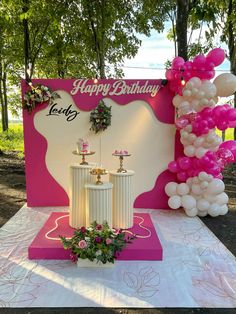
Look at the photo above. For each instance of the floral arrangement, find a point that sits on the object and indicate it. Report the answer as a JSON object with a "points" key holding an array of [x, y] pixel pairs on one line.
{"points": [[100, 117], [38, 94], [97, 243]]}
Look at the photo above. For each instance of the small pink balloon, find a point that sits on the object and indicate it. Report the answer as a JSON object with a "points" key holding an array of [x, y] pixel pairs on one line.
{"points": [[222, 125], [206, 112], [182, 176], [216, 56], [225, 154], [184, 163], [177, 63], [169, 74], [232, 114], [173, 166], [231, 145]]}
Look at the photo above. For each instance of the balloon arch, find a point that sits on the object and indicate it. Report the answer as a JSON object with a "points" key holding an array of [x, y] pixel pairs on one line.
{"points": [[199, 188]]}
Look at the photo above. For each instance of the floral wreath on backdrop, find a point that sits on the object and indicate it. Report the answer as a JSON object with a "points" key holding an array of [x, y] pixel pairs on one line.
{"points": [[100, 117], [97, 243], [38, 94]]}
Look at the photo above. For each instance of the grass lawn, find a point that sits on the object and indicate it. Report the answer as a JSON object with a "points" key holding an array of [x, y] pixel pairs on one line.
{"points": [[12, 140]]}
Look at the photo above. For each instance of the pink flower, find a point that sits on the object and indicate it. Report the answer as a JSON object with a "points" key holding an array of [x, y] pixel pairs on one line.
{"points": [[98, 227], [83, 229], [108, 241], [73, 257], [82, 244]]}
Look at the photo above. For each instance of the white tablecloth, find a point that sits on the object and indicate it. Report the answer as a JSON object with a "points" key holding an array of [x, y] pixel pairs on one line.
{"points": [[197, 270]]}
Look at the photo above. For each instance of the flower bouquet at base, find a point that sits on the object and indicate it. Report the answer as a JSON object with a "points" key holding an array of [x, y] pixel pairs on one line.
{"points": [[97, 243]]}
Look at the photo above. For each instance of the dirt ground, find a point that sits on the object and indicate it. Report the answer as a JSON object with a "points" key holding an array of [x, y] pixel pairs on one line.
{"points": [[13, 197]]}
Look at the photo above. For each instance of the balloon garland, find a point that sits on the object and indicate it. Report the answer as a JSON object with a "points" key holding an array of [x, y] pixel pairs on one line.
{"points": [[200, 190]]}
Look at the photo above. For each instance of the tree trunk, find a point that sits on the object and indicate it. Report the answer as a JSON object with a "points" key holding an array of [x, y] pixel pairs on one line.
{"points": [[5, 107], [26, 41], [232, 44], [182, 28], [2, 100]]}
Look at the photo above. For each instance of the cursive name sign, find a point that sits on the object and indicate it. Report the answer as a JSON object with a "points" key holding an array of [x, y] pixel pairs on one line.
{"points": [[69, 113], [119, 87]]}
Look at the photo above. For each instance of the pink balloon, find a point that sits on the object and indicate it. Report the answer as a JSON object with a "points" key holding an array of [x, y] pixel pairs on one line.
{"points": [[230, 145], [177, 63], [173, 166], [169, 74], [232, 114], [182, 176], [184, 163], [216, 56], [225, 154], [222, 125]]}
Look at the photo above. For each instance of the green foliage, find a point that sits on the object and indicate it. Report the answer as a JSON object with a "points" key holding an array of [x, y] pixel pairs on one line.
{"points": [[98, 242], [12, 140]]}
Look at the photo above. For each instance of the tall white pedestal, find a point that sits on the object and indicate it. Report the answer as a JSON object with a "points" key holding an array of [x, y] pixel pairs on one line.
{"points": [[99, 203], [79, 176], [122, 199]]}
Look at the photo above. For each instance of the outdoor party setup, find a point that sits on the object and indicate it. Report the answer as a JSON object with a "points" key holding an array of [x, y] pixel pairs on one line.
{"points": [[117, 172]]}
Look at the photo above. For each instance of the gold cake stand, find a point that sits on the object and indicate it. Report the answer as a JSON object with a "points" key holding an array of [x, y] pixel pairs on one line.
{"points": [[121, 158], [84, 162], [98, 172]]}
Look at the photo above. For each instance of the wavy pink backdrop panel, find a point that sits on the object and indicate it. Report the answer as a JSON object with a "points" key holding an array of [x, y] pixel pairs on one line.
{"points": [[42, 189]]}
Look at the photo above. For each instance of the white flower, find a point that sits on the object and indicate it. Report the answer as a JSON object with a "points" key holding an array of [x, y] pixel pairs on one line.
{"points": [[99, 252], [87, 239]]}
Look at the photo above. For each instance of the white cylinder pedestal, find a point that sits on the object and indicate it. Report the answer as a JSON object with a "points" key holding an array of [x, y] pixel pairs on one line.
{"points": [[122, 199], [99, 203], [79, 176]]}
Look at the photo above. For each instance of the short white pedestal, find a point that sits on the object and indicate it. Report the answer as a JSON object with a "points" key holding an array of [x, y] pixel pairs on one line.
{"points": [[79, 175], [99, 203], [122, 199]]}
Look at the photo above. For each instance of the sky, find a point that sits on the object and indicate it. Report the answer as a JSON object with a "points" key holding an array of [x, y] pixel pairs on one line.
{"points": [[149, 63]]}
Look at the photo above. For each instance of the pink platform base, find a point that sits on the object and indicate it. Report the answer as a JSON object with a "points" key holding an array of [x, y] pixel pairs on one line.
{"points": [[147, 248]]}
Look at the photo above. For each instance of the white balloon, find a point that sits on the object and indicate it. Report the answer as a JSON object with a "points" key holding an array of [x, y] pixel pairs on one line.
{"points": [[196, 81], [222, 198], [195, 180], [170, 188], [174, 202], [204, 185], [203, 205], [192, 137], [184, 134], [224, 210], [196, 189], [189, 150], [198, 142], [214, 210], [187, 93], [182, 189], [202, 213], [209, 197], [225, 84], [189, 181], [216, 186], [191, 212], [188, 202], [177, 100], [200, 152], [202, 176], [189, 128]]}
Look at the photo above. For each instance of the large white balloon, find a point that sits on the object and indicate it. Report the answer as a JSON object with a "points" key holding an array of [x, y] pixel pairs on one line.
{"points": [[188, 201], [224, 210], [203, 205], [191, 212], [182, 189], [225, 84], [170, 188], [214, 210], [174, 202], [222, 198], [216, 186]]}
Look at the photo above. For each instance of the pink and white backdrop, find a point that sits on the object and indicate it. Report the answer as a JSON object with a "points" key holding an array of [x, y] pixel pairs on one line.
{"points": [[142, 122]]}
